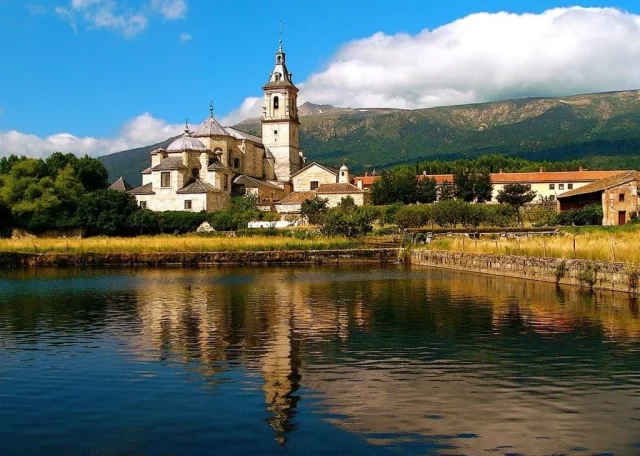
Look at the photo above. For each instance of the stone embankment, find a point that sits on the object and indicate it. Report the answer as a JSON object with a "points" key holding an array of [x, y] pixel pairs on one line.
{"points": [[601, 275], [12, 260]]}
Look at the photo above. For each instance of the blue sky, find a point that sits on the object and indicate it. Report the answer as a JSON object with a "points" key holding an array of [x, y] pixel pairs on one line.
{"points": [[68, 68]]}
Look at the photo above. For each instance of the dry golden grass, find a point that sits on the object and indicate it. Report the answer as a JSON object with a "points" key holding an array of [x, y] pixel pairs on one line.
{"points": [[590, 244], [156, 244]]}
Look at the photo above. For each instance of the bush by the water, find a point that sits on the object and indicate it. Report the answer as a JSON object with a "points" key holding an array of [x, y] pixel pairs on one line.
{"points": [[451, 213], [347, 220], [590, 215]]}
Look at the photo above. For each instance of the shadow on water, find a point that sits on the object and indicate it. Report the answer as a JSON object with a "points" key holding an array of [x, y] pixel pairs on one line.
{"points": [[360, 358]]}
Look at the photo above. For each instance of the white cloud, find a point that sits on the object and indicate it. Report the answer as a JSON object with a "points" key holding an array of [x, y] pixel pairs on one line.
{"points": [[251, 107], [141, 131], [118, 15], [482, 57], [170, 9], [184, 37]]}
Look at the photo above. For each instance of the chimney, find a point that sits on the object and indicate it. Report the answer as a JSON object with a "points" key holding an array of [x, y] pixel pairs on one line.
{"points": [[366, 174], [501, 171], [541, 169], [424, 173], [580, 169]]}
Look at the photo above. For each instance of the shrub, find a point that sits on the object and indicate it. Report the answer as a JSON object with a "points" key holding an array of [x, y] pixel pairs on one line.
{"points": [[354, 224], [414, 216], [590, 215], [176, 222], [390, 212], [107, 212], [499, 215], [314, 210]]}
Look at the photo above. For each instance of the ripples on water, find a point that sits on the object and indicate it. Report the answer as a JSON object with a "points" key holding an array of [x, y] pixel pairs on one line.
{"points": [[313, 360]]}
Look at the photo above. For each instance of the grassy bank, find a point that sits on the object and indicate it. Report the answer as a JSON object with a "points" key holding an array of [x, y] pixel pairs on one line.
{"points": [[587, 243], [173, 244]]}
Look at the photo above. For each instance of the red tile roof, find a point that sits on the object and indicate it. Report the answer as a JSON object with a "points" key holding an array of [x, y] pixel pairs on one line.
{"points": [[603, 184], [339, 188], [297, 197], [525, 178]]}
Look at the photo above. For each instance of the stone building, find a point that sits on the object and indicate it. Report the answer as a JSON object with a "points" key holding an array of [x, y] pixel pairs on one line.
{"points": [[330, 184], [617, 194], [201, 170]]}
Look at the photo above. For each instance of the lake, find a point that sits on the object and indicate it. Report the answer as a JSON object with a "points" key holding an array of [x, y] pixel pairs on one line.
{"points": [[313, 360]]}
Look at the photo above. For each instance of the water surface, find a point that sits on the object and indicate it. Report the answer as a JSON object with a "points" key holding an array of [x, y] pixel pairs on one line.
{"points": [[313, 360]]}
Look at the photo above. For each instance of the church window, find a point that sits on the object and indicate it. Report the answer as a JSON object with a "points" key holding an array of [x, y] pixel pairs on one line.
{"points": [[236, 163], [275, 132], [187, 205], [143, 205], [276, 102], [165, 180], [226, 182], [195, 173], [314, 185], [279, 59], [278, 76]]}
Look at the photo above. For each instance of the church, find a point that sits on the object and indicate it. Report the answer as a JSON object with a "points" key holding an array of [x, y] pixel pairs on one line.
{"points": [[204, 168]]}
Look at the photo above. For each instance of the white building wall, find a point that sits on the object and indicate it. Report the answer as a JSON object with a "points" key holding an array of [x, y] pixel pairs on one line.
{"points": [[302, 181]]}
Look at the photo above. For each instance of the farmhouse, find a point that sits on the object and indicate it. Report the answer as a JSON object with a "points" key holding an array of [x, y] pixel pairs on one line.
{"points": [[617, 194]]}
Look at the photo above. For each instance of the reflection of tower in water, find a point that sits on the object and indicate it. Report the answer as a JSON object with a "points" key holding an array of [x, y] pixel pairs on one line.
{"points": [[281, 368]]}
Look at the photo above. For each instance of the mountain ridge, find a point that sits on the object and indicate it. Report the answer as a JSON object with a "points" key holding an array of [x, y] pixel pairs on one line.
{"points": [[602, 128]]}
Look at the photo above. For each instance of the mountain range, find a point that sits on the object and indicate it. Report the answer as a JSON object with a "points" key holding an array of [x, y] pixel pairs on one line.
{"points": [[601, 129]]}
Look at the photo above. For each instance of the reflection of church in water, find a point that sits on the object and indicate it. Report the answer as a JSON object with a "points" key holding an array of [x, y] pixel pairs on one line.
{"points": [[206, 325]]}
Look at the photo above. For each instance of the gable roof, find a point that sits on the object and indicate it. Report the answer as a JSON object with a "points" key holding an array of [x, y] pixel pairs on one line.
{"points": [[297, 197], [603, 184], [326, 168], [339, 188], [249, 181], [239, 134], [146, 189], [169, 164], [198, 186], [121, 185], [210, 127]]}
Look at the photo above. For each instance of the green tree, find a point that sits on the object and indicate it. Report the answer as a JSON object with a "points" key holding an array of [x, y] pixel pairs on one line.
{"points": [[516, 196], [446, 191], [6, 220], [426, 190], [314, 210], [482, 186], [338, 222], [463, 183], [107, 212], [92, 173]]}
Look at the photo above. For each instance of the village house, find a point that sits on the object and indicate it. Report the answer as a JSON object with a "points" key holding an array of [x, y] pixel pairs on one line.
{"points": [[618, 196], [324, 182]]}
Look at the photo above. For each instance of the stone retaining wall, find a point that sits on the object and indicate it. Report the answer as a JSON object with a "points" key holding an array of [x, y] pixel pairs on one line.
{"points": [[10, 260], [600, 275]]}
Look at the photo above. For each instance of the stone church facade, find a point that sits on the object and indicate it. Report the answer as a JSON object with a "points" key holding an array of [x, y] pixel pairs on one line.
{"points": [[200, 170]]}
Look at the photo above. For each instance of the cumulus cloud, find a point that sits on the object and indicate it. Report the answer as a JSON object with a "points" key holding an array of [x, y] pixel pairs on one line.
{"points": [[170, 9], [184, 37], [140, 131], [481, 57], [118, 15]]}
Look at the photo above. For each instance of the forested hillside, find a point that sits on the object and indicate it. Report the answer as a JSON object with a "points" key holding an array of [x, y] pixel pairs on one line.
{"points": [[603, 130]]}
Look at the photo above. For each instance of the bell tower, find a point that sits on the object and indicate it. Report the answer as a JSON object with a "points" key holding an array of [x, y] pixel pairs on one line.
{"points": [[280, 124]]}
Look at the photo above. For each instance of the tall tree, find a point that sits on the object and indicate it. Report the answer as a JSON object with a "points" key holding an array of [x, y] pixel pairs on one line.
{"points": [[426, 190], [446, 191], [482, 186], [463, 182], [516, 196]]}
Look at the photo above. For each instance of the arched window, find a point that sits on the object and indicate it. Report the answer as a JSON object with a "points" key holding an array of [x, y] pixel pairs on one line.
{"points": [[276, 102], [279, 59], [278, 76]]}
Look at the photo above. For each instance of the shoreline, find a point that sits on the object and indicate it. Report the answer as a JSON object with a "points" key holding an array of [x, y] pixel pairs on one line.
{"points": [[590, 274], [17, 260]]}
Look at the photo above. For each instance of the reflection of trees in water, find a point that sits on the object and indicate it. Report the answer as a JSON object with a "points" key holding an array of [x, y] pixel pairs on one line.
{"points": [[280, 322]]}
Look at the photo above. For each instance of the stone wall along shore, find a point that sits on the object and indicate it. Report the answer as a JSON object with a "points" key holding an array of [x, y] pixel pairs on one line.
{"points": [[601, 275], [12, 260]]}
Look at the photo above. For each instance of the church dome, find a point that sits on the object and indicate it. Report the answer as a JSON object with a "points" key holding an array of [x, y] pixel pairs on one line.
{"points": [[186, 142], [344, 168]]}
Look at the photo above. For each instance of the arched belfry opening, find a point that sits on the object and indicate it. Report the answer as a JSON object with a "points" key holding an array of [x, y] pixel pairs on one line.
{"points": [[276, 102]]}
